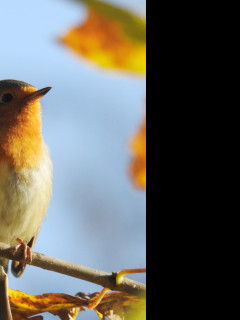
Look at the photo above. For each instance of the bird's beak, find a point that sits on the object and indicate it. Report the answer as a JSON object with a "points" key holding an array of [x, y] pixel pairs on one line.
{"points": [[37, 94]]}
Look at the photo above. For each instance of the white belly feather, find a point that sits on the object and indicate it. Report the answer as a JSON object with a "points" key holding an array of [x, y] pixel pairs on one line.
{"points": [[24, 200]]}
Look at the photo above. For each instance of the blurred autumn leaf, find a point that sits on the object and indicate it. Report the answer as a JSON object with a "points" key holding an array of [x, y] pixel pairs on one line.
{"points": [[138, 164], [114, 305], [111, 37], [121, 306]]}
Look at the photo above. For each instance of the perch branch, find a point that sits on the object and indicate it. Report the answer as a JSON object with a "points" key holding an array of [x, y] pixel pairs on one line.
{"points": [[99, 277]]}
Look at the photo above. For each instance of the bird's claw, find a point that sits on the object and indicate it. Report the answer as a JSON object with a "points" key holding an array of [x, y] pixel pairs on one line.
{"points": [[26, 254]]}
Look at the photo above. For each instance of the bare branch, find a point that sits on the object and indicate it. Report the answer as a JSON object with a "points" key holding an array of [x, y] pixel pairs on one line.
{"points": [[99, 277]]}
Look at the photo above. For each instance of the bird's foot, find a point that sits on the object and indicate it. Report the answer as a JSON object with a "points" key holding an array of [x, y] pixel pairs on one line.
{"points": [[26, 252]]}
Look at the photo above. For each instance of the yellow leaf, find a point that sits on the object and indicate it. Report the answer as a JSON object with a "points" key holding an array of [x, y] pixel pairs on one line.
{"points": [[24, 305], [137, 311], [138, 164], [119, 305], [110, 37]]}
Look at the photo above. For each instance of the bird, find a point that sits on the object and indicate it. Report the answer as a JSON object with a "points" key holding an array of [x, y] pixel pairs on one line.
{"points": [[25, 176]]}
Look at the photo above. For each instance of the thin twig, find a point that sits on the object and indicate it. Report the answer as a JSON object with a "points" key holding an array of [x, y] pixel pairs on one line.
{"points": [[99, 277]]}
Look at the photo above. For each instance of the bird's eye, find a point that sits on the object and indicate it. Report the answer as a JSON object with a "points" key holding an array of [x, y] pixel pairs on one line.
{"points": [[7, 97]]}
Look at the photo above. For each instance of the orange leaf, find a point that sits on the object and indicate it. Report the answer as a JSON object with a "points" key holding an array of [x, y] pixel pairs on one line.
{"points": [[107, 39], [138, 165]]}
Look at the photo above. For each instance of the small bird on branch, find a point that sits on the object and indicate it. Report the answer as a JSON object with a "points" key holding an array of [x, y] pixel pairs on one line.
{"points": [[25, 176]]}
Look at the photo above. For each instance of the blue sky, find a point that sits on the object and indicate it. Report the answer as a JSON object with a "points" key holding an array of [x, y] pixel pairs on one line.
{"points": [[96, 217]]}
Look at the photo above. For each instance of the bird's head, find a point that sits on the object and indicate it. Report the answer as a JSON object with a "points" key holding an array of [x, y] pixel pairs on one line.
{"points": [[17, 95], [20, 122]]}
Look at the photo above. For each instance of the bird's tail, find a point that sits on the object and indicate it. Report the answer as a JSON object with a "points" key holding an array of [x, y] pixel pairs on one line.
{"points": [[5, 310]]}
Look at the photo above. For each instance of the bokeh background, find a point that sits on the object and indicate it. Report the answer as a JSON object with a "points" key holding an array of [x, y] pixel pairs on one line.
{"points": [[96, 216]]}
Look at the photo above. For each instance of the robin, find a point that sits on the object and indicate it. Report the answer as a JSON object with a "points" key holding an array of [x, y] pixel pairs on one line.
{"points": [[25, 175]]}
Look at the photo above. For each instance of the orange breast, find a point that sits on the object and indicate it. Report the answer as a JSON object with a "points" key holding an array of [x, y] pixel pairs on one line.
{"points": [[21, 143]]}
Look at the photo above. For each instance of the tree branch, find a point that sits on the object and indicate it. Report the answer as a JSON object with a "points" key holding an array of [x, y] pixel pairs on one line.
{"points": [[99, 277]]}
